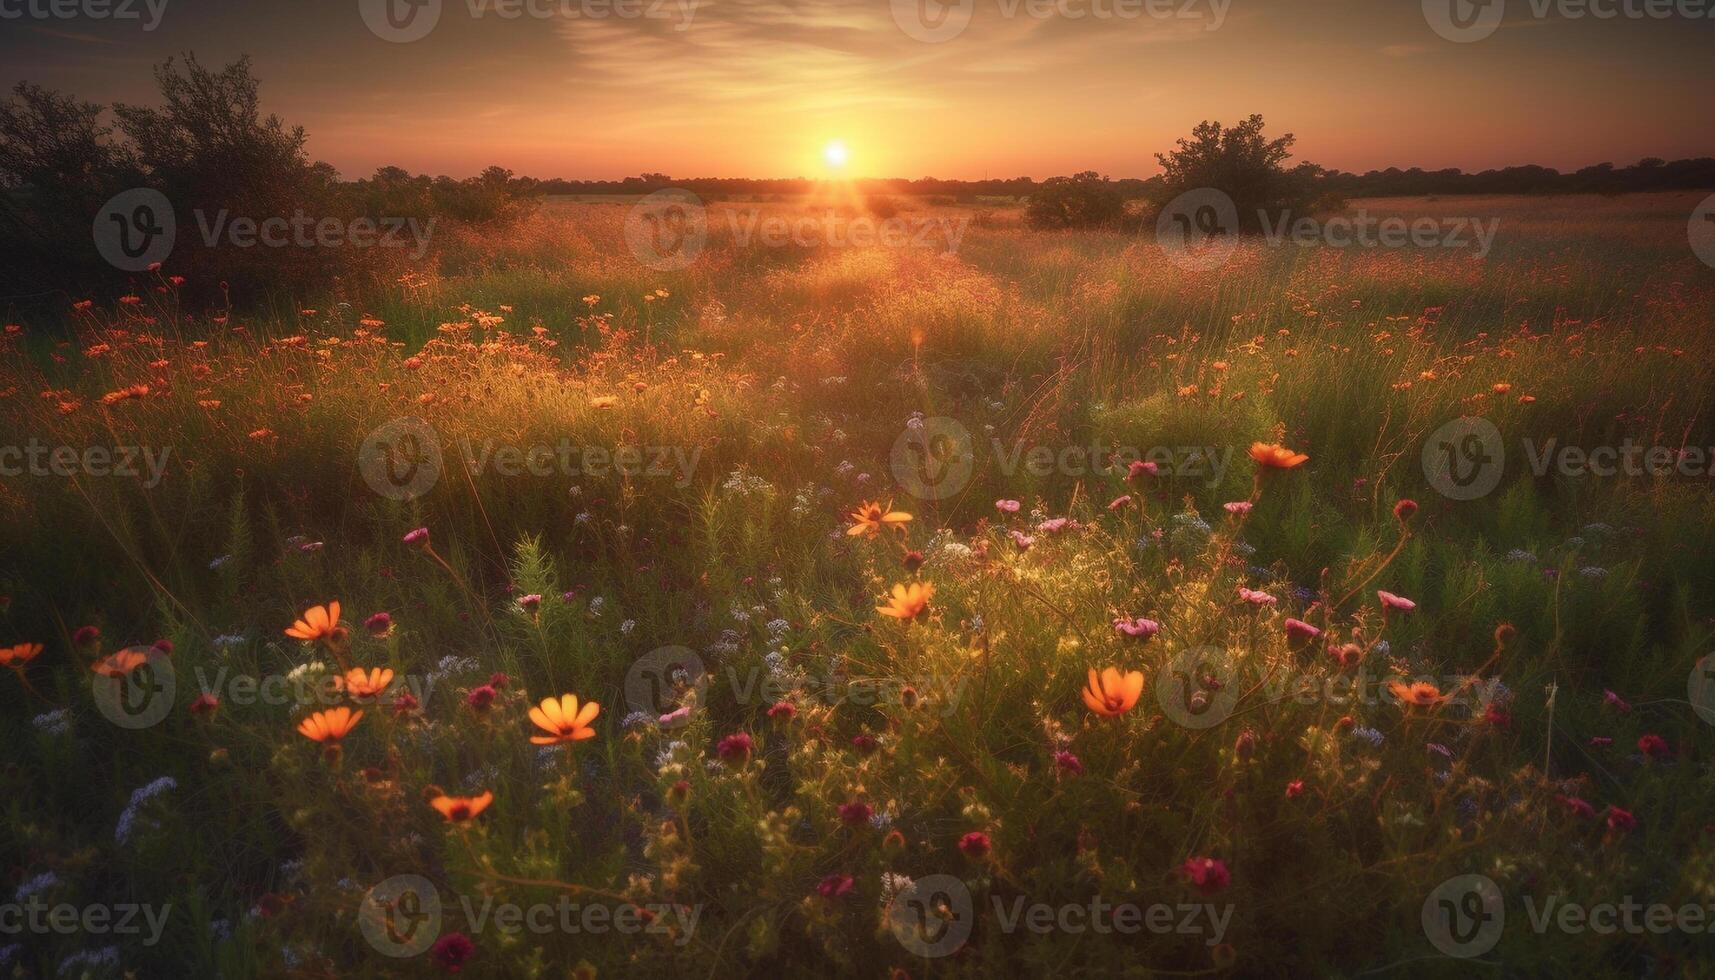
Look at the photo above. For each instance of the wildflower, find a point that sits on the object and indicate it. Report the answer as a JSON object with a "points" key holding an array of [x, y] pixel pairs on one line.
{"points": [[913, 560], [563, 719], [405, 703], [735, 748], [907, 602], [120, 664], [319, 623], [975, 844], [856, 813], [359, 684], [1600, 741], [1007, 506], [460, 809], [1576, 806], [1237, 508], [1416, 693], [379, 625], [531, 604], [783, 711], [1139, 468], [1655, 747], [1403, 510], [1346, 654], [1391, 601], [870, 518], [1612, 700], [1273, 456], [1021, 540], [1066, 762], [1256, 597], [1111, 694], [1295, 789], [205, 705], [86, 636], [1120, 502], [498, 680], [1207, 875], [1497, 716], [834, 886], [1620, 821], [329, 726], [1244, 746], [418, 538], [133, 807], [17, 655], [451, 951], [1138, 628], [480, 697], [1298, 630]]}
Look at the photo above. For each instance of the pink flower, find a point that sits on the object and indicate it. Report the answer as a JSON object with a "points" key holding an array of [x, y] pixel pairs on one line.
{"points": [[783, 711], [1576, 806], [85, 636], [451, 951], [1612, 700], [865, 743], [1140, 468], [204, 705], [481, 697], [1056, 524], [1207, 875], [498, 680], [735, 748], [834, 886], [1256, 597], [1298, 629], [1123, 500], [379, 624], [1655, 747], [1295, 789], [975, 844], [1600, 741], [418, 538], [1237, 508], [856, 813], [1068, 763], [1391, 601], [1621, 820], [1022, 540], [1138, 628], [675, 716], [1006, 506]]}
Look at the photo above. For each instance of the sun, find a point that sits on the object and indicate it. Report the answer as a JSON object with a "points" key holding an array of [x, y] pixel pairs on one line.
{"points": [[835, 154]]}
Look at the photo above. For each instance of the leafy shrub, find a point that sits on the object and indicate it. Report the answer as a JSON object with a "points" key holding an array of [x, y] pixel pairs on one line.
{"points": [[1244, 164], [1083, 200]]}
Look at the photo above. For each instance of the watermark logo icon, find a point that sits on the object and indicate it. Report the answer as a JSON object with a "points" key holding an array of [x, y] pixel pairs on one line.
{"points": [[668, 229], [933, 458], [1701, 231], [400, 21], [1198, 229], [401, 459], [932, 916], [135, 229], [665, 680], [401, 916], [1700, 688], [1195, 689], [932, 21], [1464, 916], [136, 688], [1464, 459], [1464, 21]]}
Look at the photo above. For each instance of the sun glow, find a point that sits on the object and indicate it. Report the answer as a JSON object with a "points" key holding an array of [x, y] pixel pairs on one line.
{"points": [[835, 155]]}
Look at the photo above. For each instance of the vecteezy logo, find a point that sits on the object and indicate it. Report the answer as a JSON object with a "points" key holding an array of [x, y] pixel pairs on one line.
{"points": [[135, 229], [400, 21], [663, 681], [1195, 689], [1700, 688], [1464, 916], [667, 229], [1464, 459], [136, 687], [401, 460], [1701, 230], [932, 21], [1197, 229], [932, 916], [401, 916], [1464, 21], [932, 459]]}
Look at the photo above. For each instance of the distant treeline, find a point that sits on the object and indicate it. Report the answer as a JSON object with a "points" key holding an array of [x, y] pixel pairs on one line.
{"points": [[1652, 174]]}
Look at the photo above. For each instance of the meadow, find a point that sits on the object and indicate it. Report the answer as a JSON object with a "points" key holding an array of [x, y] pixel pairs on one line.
{"points": [[1036, 607]]}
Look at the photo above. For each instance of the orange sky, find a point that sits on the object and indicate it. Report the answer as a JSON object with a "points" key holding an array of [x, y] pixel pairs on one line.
{"points": [[754, 88]]}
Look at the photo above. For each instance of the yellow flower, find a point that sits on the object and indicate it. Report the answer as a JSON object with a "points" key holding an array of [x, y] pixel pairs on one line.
{"points": [[871, 517], [458, 809], [1111, 693], [563, 720], [907, 602]]}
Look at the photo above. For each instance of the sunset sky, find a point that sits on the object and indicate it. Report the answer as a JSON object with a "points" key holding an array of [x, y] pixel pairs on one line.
{"points": [[757, 88]]}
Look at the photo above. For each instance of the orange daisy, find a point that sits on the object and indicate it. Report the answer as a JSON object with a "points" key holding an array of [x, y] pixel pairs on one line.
{"points": [[1111, 693], [17, 655], [907, 602], [563, 720], [871, 518], [120, 664], [331, 725], [361, 684], [1418, 694], [1273, 456], [458, 809], [318, 623]]}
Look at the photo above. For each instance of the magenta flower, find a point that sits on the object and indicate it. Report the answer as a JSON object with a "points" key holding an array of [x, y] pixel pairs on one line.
{"points": [[1621, 820], [1299, 630], [1237, 508], [1612, 700], [1655, 747], [379, 624], [1007, 506], [418, 538], [1022, 540], [1391, 601], [1256, 597], [1140, 468], [834, 885], [975, 844], [856, 813], [1207, 875], [1068, 763], [1123, 500], [735, 748], [1138, 628]]}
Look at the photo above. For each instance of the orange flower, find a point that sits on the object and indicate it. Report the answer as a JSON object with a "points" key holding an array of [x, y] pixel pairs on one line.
{"points": [[330, 725], [366, 685], [1272, 456], [1416, 694], [1111, 693], [319, 623], [120, 664], [458, 809], [907, 601], [563, 720], [18, 655], [604, 401], [871, 517]]}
